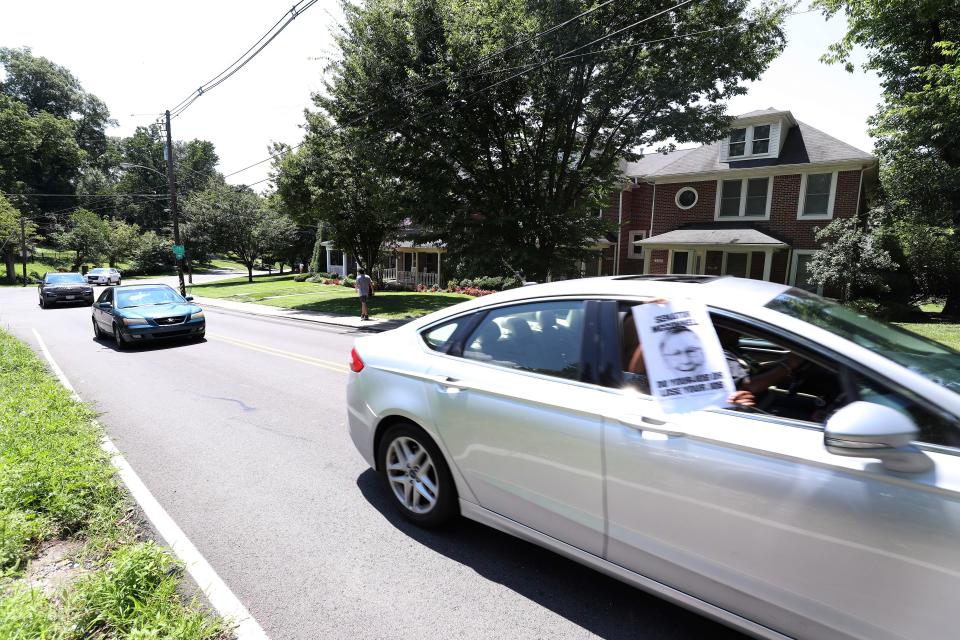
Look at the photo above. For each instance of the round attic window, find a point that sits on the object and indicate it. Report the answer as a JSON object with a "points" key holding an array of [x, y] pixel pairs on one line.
{"points": [[686, 197]]}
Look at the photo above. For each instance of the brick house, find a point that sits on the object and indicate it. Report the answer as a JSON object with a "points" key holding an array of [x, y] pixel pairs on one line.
{"points": [[746, 205]]}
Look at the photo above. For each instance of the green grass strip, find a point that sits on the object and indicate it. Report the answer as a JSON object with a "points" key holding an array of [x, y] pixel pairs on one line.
{"points": [[57, 483]]}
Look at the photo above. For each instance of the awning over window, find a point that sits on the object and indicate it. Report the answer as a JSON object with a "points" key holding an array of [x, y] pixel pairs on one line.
{"points": [[714, 238]]}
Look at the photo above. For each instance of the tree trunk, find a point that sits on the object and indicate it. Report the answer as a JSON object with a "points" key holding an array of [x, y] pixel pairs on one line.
{"points": [[249, 272], [11, 266], [952, 306]]}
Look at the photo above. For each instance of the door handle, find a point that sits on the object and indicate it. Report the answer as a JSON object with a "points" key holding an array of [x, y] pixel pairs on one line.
{"points": [[650, 424], [450, 383]]}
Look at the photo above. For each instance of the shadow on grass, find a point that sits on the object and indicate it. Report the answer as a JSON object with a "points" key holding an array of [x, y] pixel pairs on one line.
{"points": [[384, 304], [242, 279]]}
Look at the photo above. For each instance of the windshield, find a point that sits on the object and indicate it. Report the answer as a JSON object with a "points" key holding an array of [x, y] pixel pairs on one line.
{"points": [[98, 271], [145, 296], [65, 278], [930, 359]]}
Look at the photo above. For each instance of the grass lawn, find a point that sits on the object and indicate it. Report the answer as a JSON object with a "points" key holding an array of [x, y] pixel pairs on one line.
{"points": [[283, 291], [58, 491], [947, 333]]}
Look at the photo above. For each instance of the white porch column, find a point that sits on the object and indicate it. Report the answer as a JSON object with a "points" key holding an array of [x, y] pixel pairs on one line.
{"points": [[416, 269], [344, 254], [767, 263], [327, 254], [440, 282]]}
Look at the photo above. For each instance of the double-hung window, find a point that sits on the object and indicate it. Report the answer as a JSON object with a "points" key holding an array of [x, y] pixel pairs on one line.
{"points": [[817, 195], [738, 142], [746, 198], [746, 142], [761, 139]]}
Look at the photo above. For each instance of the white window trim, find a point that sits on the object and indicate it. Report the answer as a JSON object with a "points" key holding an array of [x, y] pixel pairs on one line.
{"points": [[696, 198], [748, 143], [803, 196], [634, 252], [743, 199], [794, 263]]}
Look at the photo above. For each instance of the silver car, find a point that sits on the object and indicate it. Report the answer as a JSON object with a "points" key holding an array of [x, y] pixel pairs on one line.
{"points": [[830, 509]]}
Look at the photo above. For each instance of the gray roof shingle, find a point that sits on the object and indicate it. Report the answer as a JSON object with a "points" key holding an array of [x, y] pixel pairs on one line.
{"points": [[803, 145]]}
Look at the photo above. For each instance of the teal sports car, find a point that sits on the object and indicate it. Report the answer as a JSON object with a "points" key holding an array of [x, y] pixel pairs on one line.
{"points": [[146, 312]]}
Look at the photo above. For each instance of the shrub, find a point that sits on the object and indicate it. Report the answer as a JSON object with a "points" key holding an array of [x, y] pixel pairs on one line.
{"points": [[350, 281], [889, 310], [154, 255], [301, 277]]}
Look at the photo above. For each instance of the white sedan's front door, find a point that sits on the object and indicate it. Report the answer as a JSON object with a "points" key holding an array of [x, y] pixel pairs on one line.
{"points": [[752, 514]]}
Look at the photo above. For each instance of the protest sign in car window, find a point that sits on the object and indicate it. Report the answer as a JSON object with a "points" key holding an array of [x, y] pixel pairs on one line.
{"points": [[684, 360]]}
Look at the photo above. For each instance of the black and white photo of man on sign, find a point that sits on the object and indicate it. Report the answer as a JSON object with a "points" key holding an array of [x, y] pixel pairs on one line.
{"points": [[687, 369]]}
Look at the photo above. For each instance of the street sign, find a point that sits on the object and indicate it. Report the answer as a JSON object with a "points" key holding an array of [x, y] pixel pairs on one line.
{"points": [[178, 251]]}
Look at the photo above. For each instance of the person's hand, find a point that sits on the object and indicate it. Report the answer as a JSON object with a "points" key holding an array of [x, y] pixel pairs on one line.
{"points": [[742, 398], [657, 301]]}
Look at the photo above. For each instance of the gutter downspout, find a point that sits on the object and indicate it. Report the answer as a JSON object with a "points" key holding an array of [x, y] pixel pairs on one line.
{"points": [[616, 257], [653, 207]]}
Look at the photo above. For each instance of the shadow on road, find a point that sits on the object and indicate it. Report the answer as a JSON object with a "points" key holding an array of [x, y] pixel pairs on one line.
{"points": [[601, 605], [148, 345]]}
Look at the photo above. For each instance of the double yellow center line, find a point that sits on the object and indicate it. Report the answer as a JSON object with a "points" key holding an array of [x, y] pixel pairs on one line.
{"points": [[289, 355]]}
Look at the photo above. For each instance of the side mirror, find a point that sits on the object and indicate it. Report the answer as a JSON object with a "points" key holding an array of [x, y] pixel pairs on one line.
{"points": [[104, 305], [870, 430], [189, 298]]}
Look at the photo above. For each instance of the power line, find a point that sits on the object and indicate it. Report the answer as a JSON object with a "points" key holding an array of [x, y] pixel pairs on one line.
{"points": [[245, 58], [87, 195]]}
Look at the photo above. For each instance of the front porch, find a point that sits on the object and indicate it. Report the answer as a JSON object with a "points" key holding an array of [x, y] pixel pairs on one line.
{"points": [[743, 253], [411, 265]]}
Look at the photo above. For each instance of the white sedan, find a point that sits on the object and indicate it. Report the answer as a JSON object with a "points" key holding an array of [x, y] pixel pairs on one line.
{"points": [[831, 509], [102, 275]]}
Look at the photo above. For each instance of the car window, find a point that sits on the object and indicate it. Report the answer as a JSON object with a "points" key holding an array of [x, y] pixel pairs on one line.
{"points": [[542, 337], [438, 338], [931, 359], [785, 382], [934, 428], [65, 278], [147, 296], [106, 296]]}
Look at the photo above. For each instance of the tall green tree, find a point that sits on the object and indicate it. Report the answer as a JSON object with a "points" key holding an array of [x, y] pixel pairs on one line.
{"points": [[43, 86], [120, 240], [241, 223], [914, 46], [86, 236], [342, 180], [512, 139], [9, 232]]}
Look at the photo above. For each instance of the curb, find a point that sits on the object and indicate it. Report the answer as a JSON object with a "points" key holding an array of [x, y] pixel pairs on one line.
{"points": [[249, 308]]}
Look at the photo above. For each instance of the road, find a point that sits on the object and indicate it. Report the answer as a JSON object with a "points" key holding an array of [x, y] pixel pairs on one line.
{"points": [[242, 439]]}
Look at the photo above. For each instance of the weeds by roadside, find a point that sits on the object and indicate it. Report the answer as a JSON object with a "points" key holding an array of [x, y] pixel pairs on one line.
{"points": [[56, 483]]}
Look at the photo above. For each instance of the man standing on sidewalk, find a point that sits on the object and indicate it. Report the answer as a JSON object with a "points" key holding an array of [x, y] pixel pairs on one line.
{"points": [[364, 289]]}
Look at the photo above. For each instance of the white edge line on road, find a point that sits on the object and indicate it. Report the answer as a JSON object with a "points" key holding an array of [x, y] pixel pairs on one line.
{"points": [[218, 593]]}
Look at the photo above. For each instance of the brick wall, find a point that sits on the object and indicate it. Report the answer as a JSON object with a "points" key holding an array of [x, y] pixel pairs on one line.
{"points": [[667, 216]]}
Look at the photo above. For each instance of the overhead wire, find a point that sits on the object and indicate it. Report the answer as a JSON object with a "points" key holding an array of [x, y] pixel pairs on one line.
{"points": [[245, 58]]}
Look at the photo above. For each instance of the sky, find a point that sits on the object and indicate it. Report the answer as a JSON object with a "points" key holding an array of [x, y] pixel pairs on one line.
{"points": [[144, 57]]}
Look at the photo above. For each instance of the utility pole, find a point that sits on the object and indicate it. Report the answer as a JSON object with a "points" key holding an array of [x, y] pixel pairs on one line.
{"points": [[178, 255], [23, 247]]}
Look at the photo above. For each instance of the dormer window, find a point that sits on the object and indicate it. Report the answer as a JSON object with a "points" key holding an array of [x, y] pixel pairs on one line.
{"points": [[746, 142], [738, 142], [761, 139]]}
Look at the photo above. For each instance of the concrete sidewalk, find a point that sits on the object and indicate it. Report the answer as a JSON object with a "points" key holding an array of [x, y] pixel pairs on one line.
{"points": [[349, 322]]}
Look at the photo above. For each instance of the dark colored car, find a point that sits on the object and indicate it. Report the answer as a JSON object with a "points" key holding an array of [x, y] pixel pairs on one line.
{"points": [[64, 287], [140, 313]]}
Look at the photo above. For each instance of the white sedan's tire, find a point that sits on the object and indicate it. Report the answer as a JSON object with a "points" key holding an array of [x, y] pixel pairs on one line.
{"points": [[417, 477]]}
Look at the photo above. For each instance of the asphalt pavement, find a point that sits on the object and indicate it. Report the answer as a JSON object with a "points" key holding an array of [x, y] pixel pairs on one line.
{"points": [[242, 439]]}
